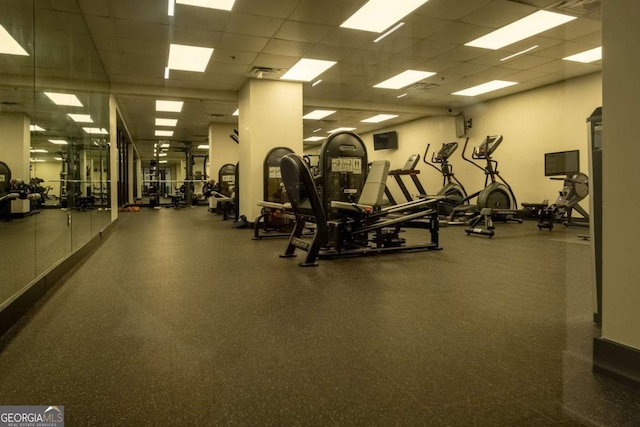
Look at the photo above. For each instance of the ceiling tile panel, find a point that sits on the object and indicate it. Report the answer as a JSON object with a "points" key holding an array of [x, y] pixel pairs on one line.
{"points": [[252, 25], [428, 48], [451, 9], [327, 12], [199, 18], [270, 8], [232, 42], [498, 13], [133, 36], [302, 31]]}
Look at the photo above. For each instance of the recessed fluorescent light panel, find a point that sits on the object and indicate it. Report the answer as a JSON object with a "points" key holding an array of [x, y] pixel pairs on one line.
{"points": [[166, 122], [81, 118], [211, 4], [521, 29], [189, 58], [389, 32], [58, 141], [586, 56], [378, 15], [237, 112], [164, 133], [163, 161], [170, 106], [67, 99], [171, 8], [485, 87], [341, 129], [404, 79], [522, 52], [307, 69], [318, 114], [36, 128], [379, 118], [316, 83], [96, 131], [9, 45], [203, 147], [38, 150], [314, 138]]}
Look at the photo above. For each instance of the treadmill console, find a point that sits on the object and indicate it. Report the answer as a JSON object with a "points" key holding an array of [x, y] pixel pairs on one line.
{"points": [[412, 162]]}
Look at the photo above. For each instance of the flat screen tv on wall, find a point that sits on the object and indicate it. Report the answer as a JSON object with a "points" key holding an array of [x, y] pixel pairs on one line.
{"points": [[562, 163], [386, 140]]}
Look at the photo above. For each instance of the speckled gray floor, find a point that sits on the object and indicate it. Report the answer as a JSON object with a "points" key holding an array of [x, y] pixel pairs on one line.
{"points": [[179, 319]]}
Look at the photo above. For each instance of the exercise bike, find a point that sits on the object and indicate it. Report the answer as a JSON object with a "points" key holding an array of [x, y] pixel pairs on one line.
{"points": [[452, 189], [495, 201]]}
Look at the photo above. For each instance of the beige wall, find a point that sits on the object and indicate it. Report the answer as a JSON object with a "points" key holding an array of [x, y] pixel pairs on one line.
{"points": [[548, 119], [50, 172], [222, 149]]}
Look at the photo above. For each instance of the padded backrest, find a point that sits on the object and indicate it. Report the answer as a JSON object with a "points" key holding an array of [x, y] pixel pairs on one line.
{"points": [[301, 189], [375, 184]]}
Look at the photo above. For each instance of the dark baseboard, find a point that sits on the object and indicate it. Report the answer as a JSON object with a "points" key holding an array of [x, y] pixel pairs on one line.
{"points": [[616, 360], [16, 307]]}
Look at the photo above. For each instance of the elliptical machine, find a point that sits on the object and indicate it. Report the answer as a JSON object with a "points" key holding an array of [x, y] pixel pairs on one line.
{"points": [[452, 189], [496, 201]]}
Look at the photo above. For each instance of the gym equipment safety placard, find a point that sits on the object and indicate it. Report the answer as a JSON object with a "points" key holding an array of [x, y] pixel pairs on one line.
{"points": [[346, 164]]}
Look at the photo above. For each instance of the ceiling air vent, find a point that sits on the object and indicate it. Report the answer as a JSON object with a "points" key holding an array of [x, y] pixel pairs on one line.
{"points": [[425, 86], [575, 7], [265, 72], [578, 7]]}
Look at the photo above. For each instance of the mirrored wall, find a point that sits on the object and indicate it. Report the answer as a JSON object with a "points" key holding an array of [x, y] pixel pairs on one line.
{"points": [[54, 139]]}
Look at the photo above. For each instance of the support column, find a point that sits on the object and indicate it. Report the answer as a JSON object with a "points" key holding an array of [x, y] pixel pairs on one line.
{"points": [[113, 156], [618, 350], [140, 177], [222, 150], [130, 173], [270, 116], [14, 151]]}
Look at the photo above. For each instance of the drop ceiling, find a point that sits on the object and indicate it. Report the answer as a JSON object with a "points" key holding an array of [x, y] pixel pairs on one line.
{"points": [[132, 38]]}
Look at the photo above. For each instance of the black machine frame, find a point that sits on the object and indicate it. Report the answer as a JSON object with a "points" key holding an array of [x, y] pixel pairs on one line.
{"points": [[276, 218], [452, 189]]}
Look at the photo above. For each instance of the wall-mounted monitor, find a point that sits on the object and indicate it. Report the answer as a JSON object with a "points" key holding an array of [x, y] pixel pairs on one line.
{"points": [[384, 141], [562, 163], [461, 125]]}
